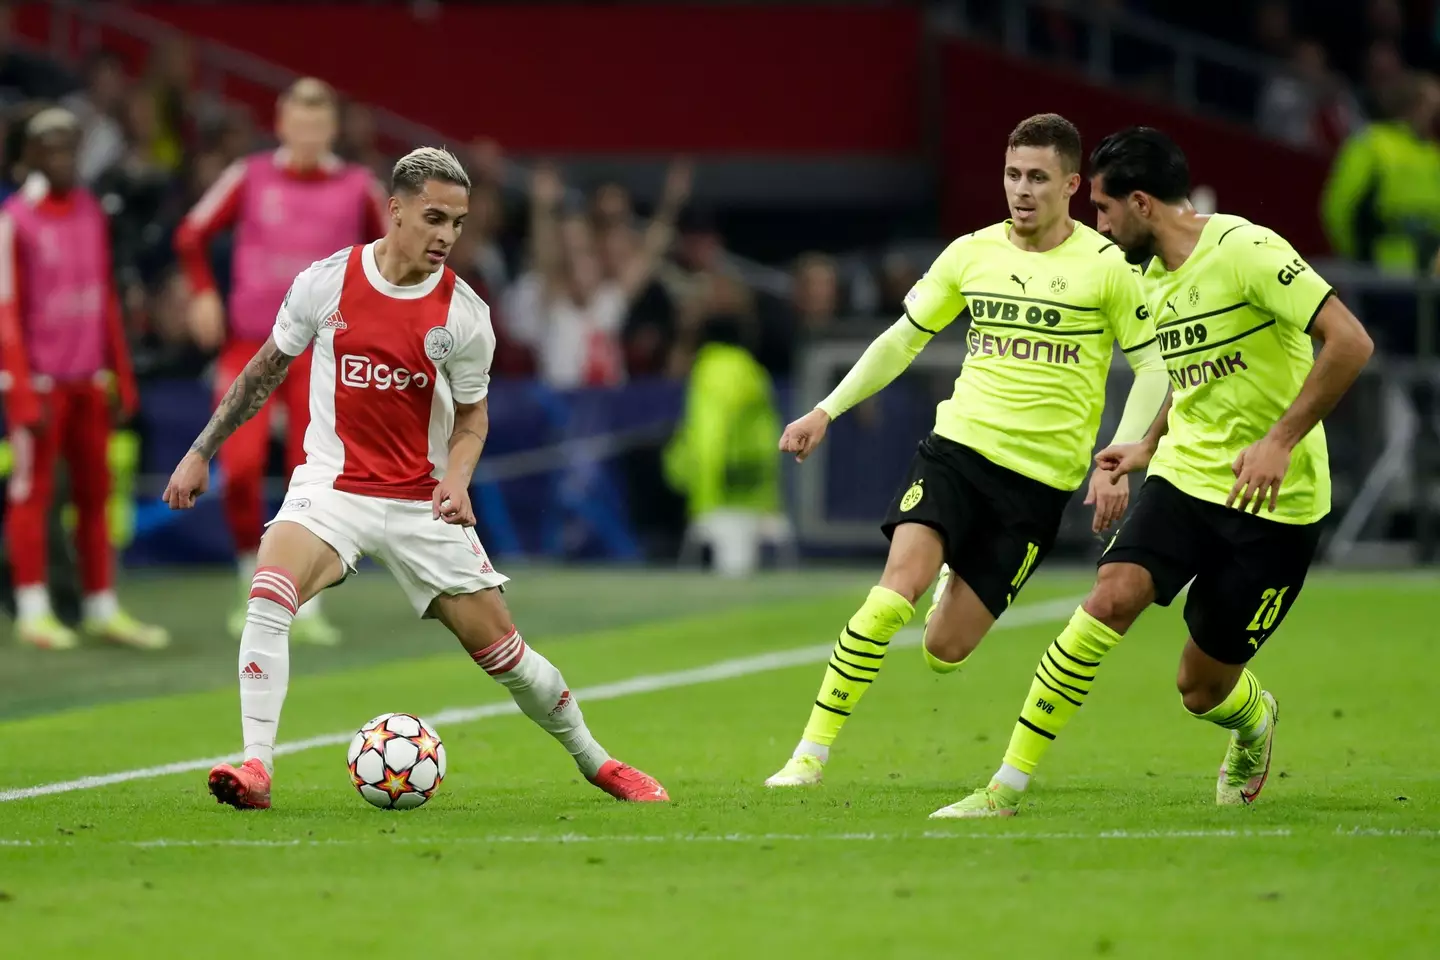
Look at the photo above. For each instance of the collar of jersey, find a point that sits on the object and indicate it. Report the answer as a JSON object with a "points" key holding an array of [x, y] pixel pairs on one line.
{"points": [[413, 292]]}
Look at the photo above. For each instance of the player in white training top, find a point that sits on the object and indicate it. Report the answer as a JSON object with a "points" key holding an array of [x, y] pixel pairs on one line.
{"points": [[398, 418]]}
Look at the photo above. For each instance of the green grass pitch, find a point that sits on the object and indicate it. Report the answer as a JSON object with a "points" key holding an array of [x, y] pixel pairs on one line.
{"points": [[1120, 851]]}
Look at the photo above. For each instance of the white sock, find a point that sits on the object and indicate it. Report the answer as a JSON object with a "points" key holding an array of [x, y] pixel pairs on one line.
{"points": [[32, 602], [819, 751], [246, 564], [265, 660], [541, 694], [1012, 777], [100, 606], [310, 608]]}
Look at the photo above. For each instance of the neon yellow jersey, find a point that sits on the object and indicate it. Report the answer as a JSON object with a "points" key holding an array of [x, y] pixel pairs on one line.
{"points": [[1042, 333], [1234, 325]]}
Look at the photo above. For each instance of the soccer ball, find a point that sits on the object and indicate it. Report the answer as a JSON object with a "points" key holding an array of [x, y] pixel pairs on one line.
{"points": [[396, 761]]}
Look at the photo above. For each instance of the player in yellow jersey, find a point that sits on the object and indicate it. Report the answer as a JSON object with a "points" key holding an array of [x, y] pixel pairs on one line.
{"points": [[1048, 301], [1238, 476]]}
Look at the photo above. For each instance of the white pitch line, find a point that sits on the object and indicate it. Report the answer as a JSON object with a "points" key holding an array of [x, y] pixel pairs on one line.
{"points": [[1022, 616], [581, 838], [560, 839]]}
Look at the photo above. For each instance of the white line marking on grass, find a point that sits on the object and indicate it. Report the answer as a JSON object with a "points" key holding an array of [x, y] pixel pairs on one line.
{"points": [[1022, 616], [580, 838]]}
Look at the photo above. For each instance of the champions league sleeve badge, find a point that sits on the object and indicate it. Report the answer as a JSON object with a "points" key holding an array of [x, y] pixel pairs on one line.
{"points": [[439, 342]]}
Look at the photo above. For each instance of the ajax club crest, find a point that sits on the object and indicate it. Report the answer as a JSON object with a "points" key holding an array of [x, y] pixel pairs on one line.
{"points": [[438, 343], [912, 496]]}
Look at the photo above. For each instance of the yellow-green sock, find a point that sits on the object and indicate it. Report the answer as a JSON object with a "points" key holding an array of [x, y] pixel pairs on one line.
{"points": [[938, 665], [1062, 682], [855, 662], [1243, 711]]}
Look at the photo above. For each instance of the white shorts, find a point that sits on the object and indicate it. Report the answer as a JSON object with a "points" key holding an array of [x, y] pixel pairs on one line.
{"points": [[427, 557]]}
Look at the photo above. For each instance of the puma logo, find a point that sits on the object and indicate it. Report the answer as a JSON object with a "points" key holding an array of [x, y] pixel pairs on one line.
{"points": [[1020, 282], [1171, 305]]}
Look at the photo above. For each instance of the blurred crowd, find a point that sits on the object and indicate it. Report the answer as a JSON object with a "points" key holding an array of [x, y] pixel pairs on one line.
{"points": [[584, 290]]}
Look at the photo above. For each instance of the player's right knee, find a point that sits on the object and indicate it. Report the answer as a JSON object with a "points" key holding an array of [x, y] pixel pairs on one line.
{"points": [[273, 587], [1121, 594]]}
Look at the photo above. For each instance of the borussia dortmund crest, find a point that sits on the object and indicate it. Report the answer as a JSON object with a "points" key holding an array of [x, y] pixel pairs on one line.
{"points": [[1058, 285], [912, 496], [1194, 295]]}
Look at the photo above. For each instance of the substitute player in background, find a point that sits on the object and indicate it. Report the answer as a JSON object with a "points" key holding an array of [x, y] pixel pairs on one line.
{"points": [[1048, 299], [401, 375], [1239, 477], [288, 208], [66, 365]]}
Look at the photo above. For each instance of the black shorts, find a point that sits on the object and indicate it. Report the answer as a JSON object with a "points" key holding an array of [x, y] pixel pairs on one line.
{"points": [[997, 524], [1248, 571]]}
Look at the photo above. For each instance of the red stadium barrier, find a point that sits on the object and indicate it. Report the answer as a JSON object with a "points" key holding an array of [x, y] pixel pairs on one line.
{"points": [[612, 79], [986, 93]]}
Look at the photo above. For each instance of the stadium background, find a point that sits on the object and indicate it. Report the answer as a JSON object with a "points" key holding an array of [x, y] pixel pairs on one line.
{"points": [[836, 148]]}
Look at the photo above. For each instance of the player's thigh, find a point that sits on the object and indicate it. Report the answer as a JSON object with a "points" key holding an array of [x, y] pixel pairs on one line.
{"points": [[933, 507], [916, 552], [430, 558], [1237, 603], [1162, 534], [319, 535], [35, 451], [85, 439], [1022, 520]]}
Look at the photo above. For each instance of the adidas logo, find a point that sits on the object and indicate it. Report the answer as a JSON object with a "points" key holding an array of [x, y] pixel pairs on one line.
{"points": [[485, 567], [334, 322], [562, 703], [252, 671]]}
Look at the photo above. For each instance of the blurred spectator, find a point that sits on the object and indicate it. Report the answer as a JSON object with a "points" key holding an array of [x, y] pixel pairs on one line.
{"points": [[816, 295], [610, 206], [358, 142], [898, 274], [1309, 106], [1384, 68], [722, 456], [567, 309], [1381, 204], [1274, 35], [478, 260], [25, 76], [99, 108], [170, 84]]}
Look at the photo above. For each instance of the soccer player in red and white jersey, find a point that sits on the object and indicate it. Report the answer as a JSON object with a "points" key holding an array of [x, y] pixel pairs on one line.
{"points": [[402, 352], [288, 208]]}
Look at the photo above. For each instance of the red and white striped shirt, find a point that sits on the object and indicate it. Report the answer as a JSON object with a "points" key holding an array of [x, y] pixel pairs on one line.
{"points": [[390, 364]]}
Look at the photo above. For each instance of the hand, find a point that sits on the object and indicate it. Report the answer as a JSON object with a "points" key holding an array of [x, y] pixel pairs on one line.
{"points": [[546, 187], [1124, 458], [207, 321], [1259, 471], [679, 180], [451, 503], [1110, 494], [190, 479], [804, 435]]}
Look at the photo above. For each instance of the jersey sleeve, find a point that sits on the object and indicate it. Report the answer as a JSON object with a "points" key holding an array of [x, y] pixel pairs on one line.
{"points": [[298, 319], [935, 301], [468, 366], [1275, 278], [1125, 308]]}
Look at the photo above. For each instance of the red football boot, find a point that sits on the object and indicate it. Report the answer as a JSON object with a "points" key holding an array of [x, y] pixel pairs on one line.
{"points": [[624, 782], [246, 787]]}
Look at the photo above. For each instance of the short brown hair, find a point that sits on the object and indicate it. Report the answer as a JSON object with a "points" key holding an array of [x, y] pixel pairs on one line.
{"points": [[310, 92], [1049, 130]]}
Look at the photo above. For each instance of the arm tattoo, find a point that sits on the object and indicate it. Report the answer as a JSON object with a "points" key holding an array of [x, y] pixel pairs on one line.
{"points": [[245, 397], [461, 431]]}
